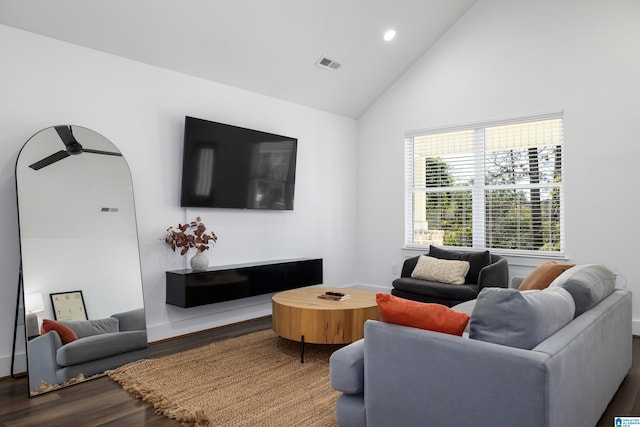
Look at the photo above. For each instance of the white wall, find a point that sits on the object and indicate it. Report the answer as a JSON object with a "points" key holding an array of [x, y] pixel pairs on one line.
{"points": [[141, 109], [506, 59]]}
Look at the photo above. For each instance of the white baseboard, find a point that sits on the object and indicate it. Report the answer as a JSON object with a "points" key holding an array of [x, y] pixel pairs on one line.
{"points": [[226, 313], [19, 367], [371, 288], [207, 317], [222, 314]]}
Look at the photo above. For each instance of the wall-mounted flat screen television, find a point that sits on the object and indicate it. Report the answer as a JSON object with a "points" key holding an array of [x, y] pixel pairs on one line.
{"points": [[226, 166]]}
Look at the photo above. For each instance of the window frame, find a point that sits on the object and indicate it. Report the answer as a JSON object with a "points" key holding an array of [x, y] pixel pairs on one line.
{"points": [[479, 188]]}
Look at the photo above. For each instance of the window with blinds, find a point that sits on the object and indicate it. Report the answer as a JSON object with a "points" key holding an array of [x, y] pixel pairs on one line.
{"points": [[490, 185]]}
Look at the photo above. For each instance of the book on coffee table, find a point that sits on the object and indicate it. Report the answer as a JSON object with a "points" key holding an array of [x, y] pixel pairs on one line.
{"points": [[334, 296]]}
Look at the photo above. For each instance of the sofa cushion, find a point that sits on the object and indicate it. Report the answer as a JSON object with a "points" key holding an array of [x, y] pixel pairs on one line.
{"points": [[433, 317], [435, 290], [441, 270], [100, 346], [477, 260], [588, 284], [85, 328], [521, 319], [542, 276], [347, 368], [66, 334]]}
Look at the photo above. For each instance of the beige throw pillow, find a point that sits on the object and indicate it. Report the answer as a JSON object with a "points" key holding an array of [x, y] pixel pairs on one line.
{"points": [[440, 270]]}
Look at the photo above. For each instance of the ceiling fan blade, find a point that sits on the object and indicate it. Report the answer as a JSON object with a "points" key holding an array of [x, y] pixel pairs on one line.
{"points": [[108, 153], [64, 131], [49, 160]]}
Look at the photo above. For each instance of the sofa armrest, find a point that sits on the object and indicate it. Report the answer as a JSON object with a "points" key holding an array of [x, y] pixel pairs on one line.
{"points": [[495, 275], [591, 357], [415, 375], [408, 265], [133, 320], [346, 367], [42, 364]]}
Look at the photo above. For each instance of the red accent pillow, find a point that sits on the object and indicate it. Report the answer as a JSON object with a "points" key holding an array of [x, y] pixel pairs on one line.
{"points": [[433, 317], [66, 333]]}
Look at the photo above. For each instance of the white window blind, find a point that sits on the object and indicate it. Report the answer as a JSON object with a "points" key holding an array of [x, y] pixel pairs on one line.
{"points": [[488, 185]]}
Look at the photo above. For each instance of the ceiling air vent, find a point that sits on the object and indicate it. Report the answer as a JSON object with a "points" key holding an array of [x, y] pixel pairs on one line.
{"points": [[327, 63]]}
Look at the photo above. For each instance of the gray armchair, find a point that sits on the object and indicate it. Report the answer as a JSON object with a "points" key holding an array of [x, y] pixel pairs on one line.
{"points": [[101, 345], [485, 270]]}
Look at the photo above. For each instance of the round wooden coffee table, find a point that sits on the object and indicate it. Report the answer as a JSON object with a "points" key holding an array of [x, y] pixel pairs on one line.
{"points": [[299, 315]]}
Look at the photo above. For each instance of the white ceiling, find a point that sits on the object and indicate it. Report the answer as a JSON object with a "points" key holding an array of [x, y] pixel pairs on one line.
{"points": [[264, 46]]}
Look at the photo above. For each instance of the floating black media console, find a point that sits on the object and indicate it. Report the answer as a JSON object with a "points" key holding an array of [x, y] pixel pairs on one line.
{"points": [[188, 288]]}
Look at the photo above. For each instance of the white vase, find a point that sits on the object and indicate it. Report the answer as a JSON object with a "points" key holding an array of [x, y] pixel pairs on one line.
{"points": [[199, 262]]}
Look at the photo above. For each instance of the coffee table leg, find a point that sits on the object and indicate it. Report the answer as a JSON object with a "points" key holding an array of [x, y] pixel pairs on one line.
{"points": [[302, 349]]}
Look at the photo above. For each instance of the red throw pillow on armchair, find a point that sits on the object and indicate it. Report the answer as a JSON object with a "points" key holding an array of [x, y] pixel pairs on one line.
{"points": [[430, 316], [66, 333]]}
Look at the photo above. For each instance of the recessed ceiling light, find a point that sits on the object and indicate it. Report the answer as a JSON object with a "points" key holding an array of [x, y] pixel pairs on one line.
{"points": [[389, 35]]}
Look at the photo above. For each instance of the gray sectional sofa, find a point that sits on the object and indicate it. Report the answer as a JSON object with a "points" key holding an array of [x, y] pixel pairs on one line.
{"points": [[496, 376], [102, 344]]}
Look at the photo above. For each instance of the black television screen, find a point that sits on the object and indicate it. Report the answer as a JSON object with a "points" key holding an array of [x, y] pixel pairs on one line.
{"points": [[225, 166]]}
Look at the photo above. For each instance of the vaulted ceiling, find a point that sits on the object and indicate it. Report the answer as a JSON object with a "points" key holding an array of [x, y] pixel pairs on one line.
{"points": [[265, 46]]}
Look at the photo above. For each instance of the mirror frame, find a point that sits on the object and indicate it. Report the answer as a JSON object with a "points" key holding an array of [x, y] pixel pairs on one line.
{"points": [[101, 213]]}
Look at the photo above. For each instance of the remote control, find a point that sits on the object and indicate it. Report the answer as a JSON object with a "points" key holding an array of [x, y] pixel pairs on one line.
{"points": [[337, 294]]}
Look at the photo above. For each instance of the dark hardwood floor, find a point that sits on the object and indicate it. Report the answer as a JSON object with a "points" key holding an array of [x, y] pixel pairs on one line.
{"points": [[625, 402], [101, 402]]}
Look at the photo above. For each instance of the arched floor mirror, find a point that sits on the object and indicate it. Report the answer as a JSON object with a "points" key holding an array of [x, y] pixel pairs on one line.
{"points": [[81, 278]]}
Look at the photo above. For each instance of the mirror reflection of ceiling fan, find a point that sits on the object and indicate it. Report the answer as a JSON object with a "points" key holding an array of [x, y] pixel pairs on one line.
{"points": [[72, 147]]}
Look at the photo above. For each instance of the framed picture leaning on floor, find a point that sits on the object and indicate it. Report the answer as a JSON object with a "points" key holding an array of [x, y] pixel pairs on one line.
{"points": [[68, 306]]}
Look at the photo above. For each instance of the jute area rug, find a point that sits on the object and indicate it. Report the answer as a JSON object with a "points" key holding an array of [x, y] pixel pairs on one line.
{"points": [[253, 380]]}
